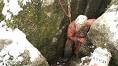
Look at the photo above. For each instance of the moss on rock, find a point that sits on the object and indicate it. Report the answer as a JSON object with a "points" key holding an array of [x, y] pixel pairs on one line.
{"points": [[40, 24]]}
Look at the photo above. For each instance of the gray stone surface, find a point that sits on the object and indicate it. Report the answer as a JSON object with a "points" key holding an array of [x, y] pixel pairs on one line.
{"points": [[104, 32], [16, 50]]}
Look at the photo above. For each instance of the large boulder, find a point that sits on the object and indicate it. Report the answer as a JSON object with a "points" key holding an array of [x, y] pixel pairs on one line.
{"points": [[16, 50], [100, 57], [104, 32], [41, 21]]}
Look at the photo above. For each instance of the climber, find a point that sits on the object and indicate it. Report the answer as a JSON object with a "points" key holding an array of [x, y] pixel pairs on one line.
{"points": [[77, 31]]}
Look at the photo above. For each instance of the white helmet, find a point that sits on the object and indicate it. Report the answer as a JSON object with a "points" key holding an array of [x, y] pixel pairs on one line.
{"points": [[81, 19]]}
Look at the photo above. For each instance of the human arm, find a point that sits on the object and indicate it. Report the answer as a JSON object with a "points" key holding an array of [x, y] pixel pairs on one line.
{"points": [[90, 22], [71, 32]]}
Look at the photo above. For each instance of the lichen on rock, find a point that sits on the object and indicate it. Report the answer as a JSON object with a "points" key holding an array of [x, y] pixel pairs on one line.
{"points": [[104, 32]]}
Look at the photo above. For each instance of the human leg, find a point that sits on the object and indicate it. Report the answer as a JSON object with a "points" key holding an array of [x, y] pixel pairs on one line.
{"points": [[76, 51], [68, 50]]}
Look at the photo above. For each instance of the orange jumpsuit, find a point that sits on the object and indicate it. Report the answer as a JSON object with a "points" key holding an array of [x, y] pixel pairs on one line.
{"points": [[72, 37]]}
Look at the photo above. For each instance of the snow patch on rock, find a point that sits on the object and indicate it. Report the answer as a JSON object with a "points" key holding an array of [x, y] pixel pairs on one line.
{"points": [[12, 7], [100, 57], [111, 19], [13, 44], [47, 2]]}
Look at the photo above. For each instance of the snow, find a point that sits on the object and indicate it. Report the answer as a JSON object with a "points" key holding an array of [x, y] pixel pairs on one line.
{"points": [[19, 44], [111, 17], [25, 1], [12, 7], [47, 2], [100, 57], [13, 42], [86, 58]]}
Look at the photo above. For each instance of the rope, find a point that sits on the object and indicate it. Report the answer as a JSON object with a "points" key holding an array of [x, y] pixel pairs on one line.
{"points": [[69, 10], [68, 14]]}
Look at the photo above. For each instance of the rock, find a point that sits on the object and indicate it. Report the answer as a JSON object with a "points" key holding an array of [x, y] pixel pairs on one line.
{"points": [[86, 49], [16, 50], [100, 57], [43, 26], [104, 32]]}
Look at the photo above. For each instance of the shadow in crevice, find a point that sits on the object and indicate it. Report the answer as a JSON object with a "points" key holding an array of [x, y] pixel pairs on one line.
{"points": [[90, 8]]}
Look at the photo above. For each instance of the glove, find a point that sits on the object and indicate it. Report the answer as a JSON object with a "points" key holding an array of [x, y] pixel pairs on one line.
{"points": [[77, 42], [81, 40]]}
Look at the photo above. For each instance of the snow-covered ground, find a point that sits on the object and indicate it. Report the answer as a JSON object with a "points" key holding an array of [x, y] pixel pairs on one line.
{"points": [[13, 44], [15, 49], [100, 57], [12, 7]]}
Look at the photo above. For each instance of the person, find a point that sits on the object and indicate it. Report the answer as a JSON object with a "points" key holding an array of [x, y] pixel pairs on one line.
{"points": [[76, 33]]}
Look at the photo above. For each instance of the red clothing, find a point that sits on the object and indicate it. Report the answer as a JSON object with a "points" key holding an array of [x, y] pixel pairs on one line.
{"points": [[72, 30]]}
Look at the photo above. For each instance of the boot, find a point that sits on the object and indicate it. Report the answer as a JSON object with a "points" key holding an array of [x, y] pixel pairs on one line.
{"points": [[67, 53]]}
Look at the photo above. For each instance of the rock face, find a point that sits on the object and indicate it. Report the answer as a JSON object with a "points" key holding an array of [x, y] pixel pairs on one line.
{"points": [[91, 8], [41, 21], [99, 57], [104, 33], [44, 23], [16, 50]]}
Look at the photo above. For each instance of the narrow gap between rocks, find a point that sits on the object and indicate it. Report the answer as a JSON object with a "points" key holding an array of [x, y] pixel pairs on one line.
{"points": [[90, 8]]}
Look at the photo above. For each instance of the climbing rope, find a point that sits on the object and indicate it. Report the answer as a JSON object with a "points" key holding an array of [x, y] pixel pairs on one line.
{"points": [[68, 12]]}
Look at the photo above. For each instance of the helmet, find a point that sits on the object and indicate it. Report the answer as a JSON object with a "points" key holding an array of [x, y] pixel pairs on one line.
{"points": [[81, 19]]}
